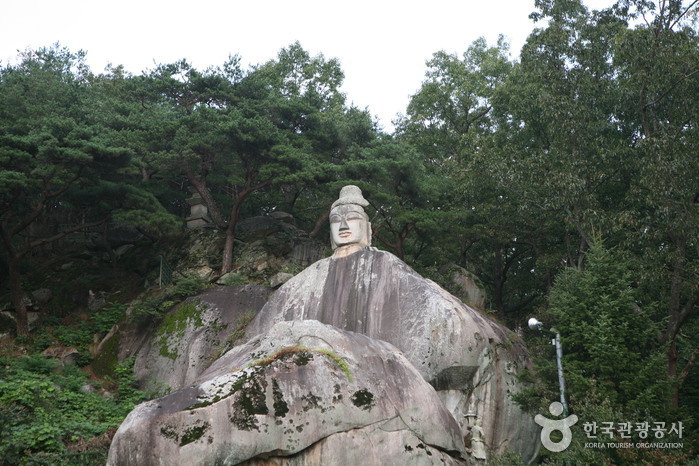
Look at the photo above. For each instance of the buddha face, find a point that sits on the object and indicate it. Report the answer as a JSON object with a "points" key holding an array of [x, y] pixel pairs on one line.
{"points": [[349, 225]]}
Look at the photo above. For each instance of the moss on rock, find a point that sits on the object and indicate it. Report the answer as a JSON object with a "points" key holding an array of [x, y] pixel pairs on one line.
{"points": [[106, 361], [175, 324]]}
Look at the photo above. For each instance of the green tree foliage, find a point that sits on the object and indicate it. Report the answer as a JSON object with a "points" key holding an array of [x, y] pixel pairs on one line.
{"points": [[603, 138], [593, 130], [234, 133], [511, 169], [47, 147], [609, 340], [485, 226], [392, 176], [450, 115], [60, 167], [659, 77]]}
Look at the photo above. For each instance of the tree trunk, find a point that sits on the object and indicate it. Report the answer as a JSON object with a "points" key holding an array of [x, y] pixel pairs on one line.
{"points": [[400, 251], [227, 259], [498, 281], [17, 296], [674, 401], [14, 267], [203, 190], [677, 316], [398, 244], [322, 220]]}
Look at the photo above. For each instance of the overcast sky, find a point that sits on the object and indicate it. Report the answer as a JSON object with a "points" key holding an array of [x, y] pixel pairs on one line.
{"points": [[382, 45]]}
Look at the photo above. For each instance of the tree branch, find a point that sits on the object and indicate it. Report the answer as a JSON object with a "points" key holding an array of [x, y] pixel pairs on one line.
{"points": [[46, 194], [683, 14], [667, 92], [60, 235]]}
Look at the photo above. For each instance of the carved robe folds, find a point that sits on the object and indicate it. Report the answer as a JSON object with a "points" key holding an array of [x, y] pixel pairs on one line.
{"points": [[468, 358]]}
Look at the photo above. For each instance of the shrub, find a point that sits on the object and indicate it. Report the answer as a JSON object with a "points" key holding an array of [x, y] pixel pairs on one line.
{"points": [[45, 412]]}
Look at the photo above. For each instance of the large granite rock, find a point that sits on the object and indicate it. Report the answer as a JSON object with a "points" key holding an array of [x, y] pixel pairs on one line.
{"points": [[347, 333], [471, 360], [173, 353], [303, 393], [269, 243], [193, 334], [465, 285]]}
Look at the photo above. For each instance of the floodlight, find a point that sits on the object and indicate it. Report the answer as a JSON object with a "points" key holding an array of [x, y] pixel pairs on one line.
{"points": [[535, 324]]}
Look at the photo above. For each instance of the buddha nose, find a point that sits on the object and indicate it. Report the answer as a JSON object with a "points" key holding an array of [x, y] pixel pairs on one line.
{"points": [[343, 225]]}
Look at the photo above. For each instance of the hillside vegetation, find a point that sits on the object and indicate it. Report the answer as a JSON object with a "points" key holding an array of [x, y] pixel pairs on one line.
{"points": [[566, 179]]}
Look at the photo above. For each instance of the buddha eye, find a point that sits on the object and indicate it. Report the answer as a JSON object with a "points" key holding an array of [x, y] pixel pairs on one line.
{"points": [[335, 219]]}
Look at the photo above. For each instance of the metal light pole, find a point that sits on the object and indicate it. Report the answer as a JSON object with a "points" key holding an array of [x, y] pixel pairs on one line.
{"points": [[556, 341]]}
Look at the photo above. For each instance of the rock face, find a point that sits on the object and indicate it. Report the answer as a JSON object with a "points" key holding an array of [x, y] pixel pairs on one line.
{"points": [[304, 393], [467, 287], [270, 242], [471, 360], [194, 334], [357, 359]]}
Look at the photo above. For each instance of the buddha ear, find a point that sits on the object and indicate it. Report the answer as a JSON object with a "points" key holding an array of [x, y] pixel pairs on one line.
{"points": [[368, 233]]}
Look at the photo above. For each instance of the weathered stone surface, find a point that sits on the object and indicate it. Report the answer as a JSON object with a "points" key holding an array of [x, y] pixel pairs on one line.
{"points": [[264, 246], [303, 384], [279, 279], [467, 286], [96, 300], [371, 445], [200, 253], [192, 336], [66, 355], [270, 241], [8, 321], [471, 359], [283, 217], [41, 296], [322, 379]]}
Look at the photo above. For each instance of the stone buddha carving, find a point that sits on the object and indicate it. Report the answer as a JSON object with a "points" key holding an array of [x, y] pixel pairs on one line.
{"points": [[350, 229], [421, 357], [469, 359]]}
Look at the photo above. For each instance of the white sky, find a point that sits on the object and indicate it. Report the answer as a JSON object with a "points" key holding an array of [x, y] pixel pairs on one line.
{"points": [[382, 45]]}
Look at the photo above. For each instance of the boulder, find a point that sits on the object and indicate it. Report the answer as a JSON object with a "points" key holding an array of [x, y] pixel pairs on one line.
{"points": [[66, 356], [191, 336], [200, 253], [8, 321], [468, 362], [467, 286], [279, 279], [303, 393], [118, 234], [258, 228], [371, 445], [278, 237], [471, 360], [41, 296], [96, 301]]}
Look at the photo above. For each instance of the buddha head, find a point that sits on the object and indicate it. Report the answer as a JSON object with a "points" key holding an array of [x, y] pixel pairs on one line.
{"points": [[349, 224]]}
